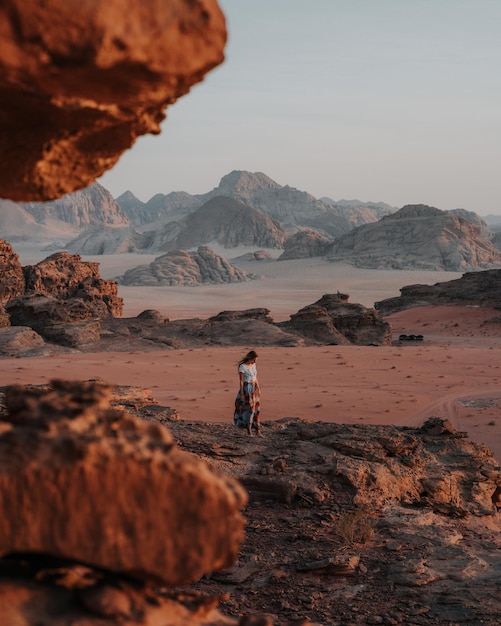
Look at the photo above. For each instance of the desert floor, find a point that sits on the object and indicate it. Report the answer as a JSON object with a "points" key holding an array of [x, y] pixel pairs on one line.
{"points": [[455, 372]]}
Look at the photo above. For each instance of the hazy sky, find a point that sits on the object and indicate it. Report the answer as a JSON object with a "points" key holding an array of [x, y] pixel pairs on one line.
{"points": [[384, 100]]}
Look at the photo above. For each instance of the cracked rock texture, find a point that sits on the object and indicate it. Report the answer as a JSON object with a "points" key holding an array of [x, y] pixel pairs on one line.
{"points": [[90, 483], [80, 81]]}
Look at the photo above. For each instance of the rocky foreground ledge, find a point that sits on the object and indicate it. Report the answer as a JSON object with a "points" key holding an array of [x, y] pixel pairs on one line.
{"points": [[116, 511]]}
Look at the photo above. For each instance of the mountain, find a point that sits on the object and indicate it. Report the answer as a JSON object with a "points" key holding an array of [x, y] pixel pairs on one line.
{"points": [[358, 212], [418, 237], [289, 206], [17, 224], [159, 208], [93, 206], [108, 240], [225, 221]]}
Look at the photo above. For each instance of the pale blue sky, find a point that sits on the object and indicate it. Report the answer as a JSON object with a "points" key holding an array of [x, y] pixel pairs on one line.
{"points": [[383, 100]]}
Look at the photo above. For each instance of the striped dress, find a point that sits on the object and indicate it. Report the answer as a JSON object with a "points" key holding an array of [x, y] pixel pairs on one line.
{"points": [[247, 407]]}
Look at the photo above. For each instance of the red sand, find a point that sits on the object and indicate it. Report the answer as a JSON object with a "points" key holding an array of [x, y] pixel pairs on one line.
{"points": [[454, 373]]}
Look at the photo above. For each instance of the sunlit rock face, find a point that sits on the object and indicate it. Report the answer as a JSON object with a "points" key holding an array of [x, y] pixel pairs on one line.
{"points": [[84, 481], [80, 81]]}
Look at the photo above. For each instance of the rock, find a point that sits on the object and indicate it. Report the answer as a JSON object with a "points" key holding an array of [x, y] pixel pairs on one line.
{"points": [[223, 220], [258, 255], [255, 314], [65, 276], [4, 317], [153, 316], [65, 322], [95, 485], [315, 323], [305, 244], [11, 272], [30, 602], [88, 208], [185, 268], [20, 341], [108, 240], [332, 319], [418, 237], [99, 76], [473, 288]]}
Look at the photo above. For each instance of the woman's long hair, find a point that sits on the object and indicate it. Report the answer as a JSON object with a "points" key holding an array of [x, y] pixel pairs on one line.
{"points": [[248, 357]]}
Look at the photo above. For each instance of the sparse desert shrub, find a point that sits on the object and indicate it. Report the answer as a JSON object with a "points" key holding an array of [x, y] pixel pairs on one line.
{"points": [[354, 527]]}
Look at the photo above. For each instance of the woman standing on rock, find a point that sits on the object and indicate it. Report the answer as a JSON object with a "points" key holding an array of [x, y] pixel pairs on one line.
{"points": [[249, 395]]}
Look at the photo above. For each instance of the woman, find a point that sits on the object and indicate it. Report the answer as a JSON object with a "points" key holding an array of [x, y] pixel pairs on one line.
{"points": [[249, 395]]}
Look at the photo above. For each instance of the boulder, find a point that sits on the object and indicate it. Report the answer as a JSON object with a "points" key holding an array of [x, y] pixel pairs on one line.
{"points": [[65, 322], [20, 341], [82, 481], [99, 76]]}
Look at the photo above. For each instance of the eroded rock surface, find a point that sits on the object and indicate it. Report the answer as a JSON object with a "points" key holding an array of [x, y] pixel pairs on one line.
{"points": [[334, 320], [81, 81], [419, 237], [65, 276], [11, 273], [359, 524], [86, 482], [305, 244], [180, 267], [473, 288]]}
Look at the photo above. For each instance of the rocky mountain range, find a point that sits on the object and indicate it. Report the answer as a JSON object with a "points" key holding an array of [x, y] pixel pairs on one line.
{"points": [[250, 209], [419, 237], [95, 208]]}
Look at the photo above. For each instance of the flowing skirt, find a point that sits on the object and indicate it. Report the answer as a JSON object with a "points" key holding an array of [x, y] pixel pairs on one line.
{"points": [[247, 408]]}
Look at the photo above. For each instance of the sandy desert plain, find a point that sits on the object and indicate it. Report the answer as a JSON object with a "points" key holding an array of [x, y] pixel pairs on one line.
{"points": [[455, 372]]}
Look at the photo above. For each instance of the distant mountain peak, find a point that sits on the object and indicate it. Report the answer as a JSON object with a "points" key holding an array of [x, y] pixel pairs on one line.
{"points": [[238, 181]]}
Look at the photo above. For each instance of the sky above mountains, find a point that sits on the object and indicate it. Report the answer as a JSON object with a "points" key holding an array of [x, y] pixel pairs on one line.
{"points": [[396, 101]]}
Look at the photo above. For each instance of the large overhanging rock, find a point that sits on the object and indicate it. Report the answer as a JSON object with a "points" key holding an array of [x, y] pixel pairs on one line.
{"points": [[83, 481], [80, 81]]}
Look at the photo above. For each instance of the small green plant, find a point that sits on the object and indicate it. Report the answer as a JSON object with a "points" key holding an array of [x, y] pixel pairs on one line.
{"points": [[354, 527]]}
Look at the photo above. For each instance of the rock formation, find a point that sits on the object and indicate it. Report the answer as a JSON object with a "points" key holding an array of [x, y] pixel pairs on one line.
{"points": [[333, 320], [90, 207], [64, 276], [62, 298], [108, 240], [70, 322], [472, 289], [305, 244], [291, 208], [418, 237], [12, 282], [161, 208], [98, 498], [225, 221], [342, 513], [99, 75], [184, 268], [258, 255]]}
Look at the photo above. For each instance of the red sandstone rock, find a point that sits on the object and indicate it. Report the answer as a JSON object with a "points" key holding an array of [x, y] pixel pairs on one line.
{"points": [[80, 81], [83, 481], [11, 273], [65, 276]]}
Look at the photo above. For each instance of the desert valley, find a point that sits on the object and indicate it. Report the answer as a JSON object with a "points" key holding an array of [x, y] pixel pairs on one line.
{"points": [[128, 496], [168, 339]]}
